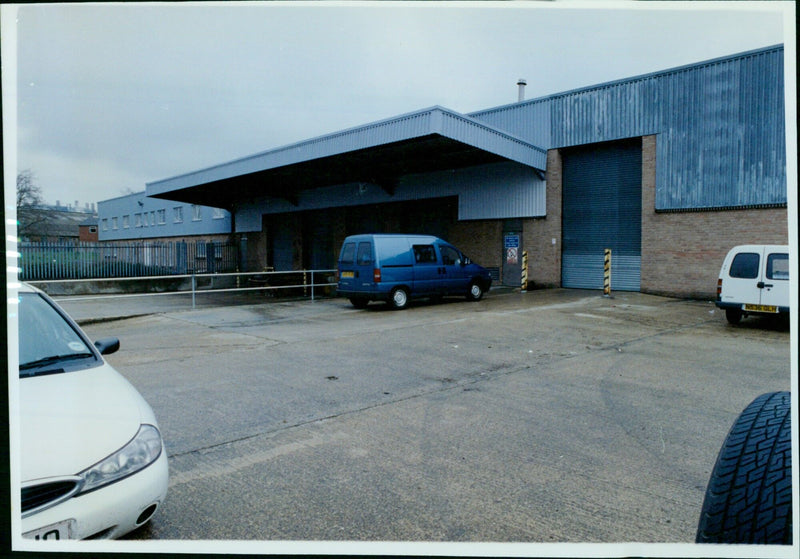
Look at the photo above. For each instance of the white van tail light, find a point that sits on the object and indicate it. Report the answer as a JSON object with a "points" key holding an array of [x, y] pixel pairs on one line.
{"points": [[719, 289]]}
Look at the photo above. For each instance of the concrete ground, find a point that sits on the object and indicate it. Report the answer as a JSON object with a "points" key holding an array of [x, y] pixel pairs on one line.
{"points": [[551, 416]]}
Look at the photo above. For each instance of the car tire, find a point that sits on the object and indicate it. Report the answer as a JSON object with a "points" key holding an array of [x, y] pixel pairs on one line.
{"points": [[359, 303], [734, 316], [749, 496], [398, 298], [475, 291]]}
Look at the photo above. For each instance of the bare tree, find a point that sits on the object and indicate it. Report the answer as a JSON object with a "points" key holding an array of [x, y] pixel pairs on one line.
{"points": [[30, 210]]}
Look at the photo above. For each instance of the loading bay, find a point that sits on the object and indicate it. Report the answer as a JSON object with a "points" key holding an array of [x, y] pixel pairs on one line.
{"points": [[540, 417]]}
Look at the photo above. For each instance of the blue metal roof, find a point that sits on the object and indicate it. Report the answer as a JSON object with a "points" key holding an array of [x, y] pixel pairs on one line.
{"points": [[386, 149]]}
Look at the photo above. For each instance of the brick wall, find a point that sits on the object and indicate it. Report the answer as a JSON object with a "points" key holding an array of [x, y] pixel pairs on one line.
{"points": [[682, 252], [222, 238], [88, 233], [482, 241], [256, 251], [544, 256]]}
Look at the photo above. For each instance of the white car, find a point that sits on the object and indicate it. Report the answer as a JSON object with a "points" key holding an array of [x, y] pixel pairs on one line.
{"points": [[93, 464]]}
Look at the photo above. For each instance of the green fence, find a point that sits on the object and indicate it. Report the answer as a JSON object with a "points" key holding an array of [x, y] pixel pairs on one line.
{"points": [[64, 260]]}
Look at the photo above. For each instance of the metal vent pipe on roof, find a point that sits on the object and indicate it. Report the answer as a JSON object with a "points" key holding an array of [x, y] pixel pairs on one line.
{"points": [[521, 83]]}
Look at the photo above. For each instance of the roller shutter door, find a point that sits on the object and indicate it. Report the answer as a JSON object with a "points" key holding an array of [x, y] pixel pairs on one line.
{"points": [[602, 208]]}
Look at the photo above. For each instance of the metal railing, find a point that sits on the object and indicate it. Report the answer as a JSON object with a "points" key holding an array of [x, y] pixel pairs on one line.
{"points": [[269, 281]]}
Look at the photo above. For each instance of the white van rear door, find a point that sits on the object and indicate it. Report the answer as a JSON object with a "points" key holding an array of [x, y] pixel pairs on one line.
{"points": [[774, 285], [741, 279]]}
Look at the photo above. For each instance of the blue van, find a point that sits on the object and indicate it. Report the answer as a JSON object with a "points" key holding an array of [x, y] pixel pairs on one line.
{"points": [[397, 268]]}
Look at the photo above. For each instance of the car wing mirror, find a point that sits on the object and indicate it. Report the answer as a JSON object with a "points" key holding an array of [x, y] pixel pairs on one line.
{"points": [[107, 346]]}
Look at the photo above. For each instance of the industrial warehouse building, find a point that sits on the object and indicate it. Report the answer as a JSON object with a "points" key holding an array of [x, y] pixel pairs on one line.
{"points": [[668, 170]]}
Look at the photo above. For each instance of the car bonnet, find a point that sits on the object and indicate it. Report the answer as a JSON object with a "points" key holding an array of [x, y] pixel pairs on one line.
{"points": [[70, 421]]}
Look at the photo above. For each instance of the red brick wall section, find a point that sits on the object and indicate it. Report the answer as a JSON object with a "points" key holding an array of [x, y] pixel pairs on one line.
{"points": [[85, 236], [482, 241], [544, 256], [682, 252]]}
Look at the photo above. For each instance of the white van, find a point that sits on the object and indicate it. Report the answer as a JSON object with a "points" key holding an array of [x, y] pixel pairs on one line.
{"points": [[754, 279]]}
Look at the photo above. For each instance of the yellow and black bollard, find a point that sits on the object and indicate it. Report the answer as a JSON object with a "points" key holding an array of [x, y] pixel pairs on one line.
{"points": [[607, 274], [524, 271]]}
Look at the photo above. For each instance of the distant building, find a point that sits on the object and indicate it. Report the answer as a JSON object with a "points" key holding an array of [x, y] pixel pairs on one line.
{"points": [[136, 217], [44, 224]]}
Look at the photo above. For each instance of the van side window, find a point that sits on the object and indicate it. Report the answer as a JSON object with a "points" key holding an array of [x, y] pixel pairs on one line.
{"points": [[424, 254], [450, 256], [348, 253], [364, 253], [778, 266], [745, 265]]}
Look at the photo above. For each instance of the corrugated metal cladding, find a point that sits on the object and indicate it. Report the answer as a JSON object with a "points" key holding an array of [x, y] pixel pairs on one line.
{"points": [[602, 209], [726, 143], [720, 125], [529, 120], [494, 191]]}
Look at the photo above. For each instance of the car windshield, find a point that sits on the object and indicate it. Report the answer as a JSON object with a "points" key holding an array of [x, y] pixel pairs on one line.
{"points": [[46, 340]]}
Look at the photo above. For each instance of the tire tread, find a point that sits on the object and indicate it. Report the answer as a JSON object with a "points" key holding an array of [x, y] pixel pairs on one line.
{"points": [[749, 495]]}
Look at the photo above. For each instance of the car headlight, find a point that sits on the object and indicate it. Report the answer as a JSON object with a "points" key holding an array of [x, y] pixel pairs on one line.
{"points": [[143, 450]]}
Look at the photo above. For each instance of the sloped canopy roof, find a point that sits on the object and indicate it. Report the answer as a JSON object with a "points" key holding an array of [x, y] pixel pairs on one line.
{"points": [[429, 140]]}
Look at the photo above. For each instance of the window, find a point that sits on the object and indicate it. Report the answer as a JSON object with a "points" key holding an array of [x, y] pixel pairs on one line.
{"points": [[364, 254], [778, 266], [162, 217], [105, 224], [218, 213], [177, 212], [152, 218], [202, 249], [197, 212], [137, 220], [115, 223], [745, 265], [92, 229], [126, 221], [424, 254], [450, 256], [348, 253]]}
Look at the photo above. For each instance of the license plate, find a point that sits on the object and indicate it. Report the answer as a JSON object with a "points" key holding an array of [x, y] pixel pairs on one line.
{"points": [[58, 531], [761, 308], [347, 274]]}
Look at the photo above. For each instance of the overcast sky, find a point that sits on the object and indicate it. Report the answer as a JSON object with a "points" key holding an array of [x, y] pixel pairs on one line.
{"points": [[112, 96]]}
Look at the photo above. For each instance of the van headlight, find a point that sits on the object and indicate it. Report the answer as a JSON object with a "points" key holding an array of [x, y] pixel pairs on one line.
{"points": [[140, 452]]}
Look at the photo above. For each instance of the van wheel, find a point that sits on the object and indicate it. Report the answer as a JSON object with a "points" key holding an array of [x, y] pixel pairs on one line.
{"points": [[749, 495], [475, 291], [734, 316], [359, 303], [399, 298]]}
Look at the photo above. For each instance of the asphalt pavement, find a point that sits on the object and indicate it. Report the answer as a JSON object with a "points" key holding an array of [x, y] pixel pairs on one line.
{"points": [[550, 416]]}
